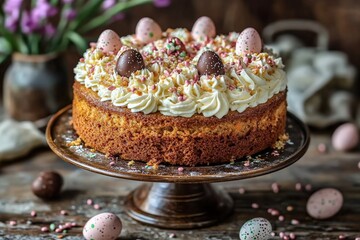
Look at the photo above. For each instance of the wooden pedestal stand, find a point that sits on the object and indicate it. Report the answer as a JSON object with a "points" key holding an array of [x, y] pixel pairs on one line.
{"points": [[176, 199]]}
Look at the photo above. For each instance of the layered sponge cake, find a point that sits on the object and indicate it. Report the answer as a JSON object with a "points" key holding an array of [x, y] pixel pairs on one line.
{"points": [[179, 97]]}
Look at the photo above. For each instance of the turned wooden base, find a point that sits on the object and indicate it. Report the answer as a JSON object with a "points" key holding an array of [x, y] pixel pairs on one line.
{"points": [[178, 206], [181, 200]]}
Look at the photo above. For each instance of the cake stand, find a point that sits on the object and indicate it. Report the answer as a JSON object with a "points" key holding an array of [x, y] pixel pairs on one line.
{"points": [[178, 197]]}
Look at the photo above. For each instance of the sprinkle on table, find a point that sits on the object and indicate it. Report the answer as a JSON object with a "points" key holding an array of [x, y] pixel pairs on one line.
{"points": [[13, 223]]}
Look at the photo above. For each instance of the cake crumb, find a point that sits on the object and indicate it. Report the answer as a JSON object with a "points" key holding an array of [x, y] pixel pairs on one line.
{"points": [[154, 163], [76, 142], [280, 143], [130, 163], [155, 166]]}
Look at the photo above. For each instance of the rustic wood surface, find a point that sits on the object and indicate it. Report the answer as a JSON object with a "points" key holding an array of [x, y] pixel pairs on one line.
{"points": [[332, 169]]}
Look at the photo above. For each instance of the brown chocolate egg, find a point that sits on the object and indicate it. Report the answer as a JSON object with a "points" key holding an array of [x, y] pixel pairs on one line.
{"points": [[210, 63], [129, 61], [174, 46], [47, 185]]}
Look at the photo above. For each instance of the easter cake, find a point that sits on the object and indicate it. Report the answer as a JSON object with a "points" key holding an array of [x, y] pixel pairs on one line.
{"points": [[179, 97]]}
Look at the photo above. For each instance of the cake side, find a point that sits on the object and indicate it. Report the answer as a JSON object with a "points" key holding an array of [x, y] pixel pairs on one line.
{"points": [[176, 140]]}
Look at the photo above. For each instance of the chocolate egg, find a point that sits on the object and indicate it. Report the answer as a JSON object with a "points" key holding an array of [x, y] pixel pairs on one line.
{"points": [[109, 41], [324, 203], [174, 46], [147, 30], [256, 228], [249, 41], [47, 185], [203, 28], [104, 226], [210, 63], [129, 61], [345, 137]]}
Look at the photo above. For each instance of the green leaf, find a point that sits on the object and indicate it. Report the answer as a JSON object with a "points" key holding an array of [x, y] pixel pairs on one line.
{"points": [[107, 15], [79, 41], [21, 45], [5, 46], [88, 11], [3, 57], [34, 41]]}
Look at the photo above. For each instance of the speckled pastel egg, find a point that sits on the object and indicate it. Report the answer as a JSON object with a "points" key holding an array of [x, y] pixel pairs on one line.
{"points": [[256, 229], [104, 226], [109, 41], [203, 28], [324, 203], [147, 30], [345, 137], [249, 41]]}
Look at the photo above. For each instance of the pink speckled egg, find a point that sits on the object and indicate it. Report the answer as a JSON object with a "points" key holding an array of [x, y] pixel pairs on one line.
{"points": [[147, 30], [203, 28], [345, 137], [249, 41], [109, 41], [324, 203], [104, 226]]}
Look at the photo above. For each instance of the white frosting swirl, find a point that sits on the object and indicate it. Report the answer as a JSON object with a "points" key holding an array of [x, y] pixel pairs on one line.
{"points": [[119, 97], [171, 84], [172, 106], [215, 103], [146, 103]]}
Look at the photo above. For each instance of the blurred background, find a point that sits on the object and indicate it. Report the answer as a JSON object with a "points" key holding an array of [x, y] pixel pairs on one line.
{"points": [[318, 42], [341, 18]]}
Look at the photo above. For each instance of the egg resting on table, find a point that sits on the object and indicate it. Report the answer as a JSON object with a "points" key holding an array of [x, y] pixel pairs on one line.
{"points": [[324, 203], [104, 226], [256, 229]]}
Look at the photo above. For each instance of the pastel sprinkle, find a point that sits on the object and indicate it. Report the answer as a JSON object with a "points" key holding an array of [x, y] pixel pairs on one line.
{"points": [[275, 212], [97, 206], [241, 190], [44, 229], [63, 212], [33, 213], [322, 148], [295, 222], [255, 205], [89, 202], [292, 236], [13, 223], [275, 187], [52, 226]]}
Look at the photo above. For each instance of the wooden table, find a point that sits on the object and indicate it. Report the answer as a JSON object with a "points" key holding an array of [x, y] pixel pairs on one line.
{"points": [[332, 169]]}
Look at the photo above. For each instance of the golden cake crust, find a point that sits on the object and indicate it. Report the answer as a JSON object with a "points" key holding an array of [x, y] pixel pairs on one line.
{"points": [[157, 138]]}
